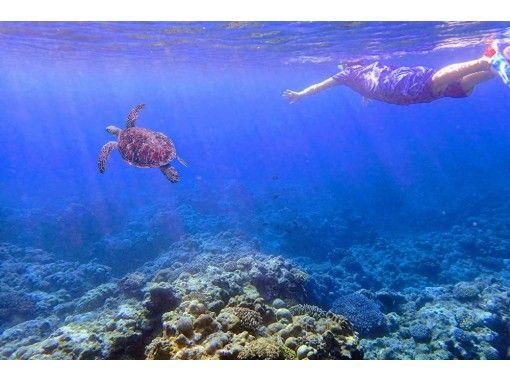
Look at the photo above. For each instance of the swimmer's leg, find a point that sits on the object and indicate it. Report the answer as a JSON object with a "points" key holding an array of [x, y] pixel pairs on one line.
{"points": [[453, 73], [469, 82]]}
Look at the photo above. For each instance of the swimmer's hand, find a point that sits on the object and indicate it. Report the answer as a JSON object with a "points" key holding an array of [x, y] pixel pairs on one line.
{"points": [[291, 96]]}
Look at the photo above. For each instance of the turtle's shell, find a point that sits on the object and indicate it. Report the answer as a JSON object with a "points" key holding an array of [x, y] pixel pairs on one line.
{"points": [[145, 148]]}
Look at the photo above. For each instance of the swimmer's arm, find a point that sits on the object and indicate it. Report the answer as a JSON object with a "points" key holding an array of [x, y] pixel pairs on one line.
{"points": [[294, 96]]}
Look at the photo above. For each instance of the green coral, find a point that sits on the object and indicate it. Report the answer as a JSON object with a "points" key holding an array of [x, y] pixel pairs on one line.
{"points": [[287, 353], [266, 349], [159, 349]]}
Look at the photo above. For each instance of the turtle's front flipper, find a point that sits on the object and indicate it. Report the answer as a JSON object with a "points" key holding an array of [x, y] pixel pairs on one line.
{"points": [[133, 115], [170, 173], [183, 163], [105, 153]]}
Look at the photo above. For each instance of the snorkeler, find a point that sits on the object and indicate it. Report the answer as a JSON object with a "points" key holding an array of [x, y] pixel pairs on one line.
{"points": [[410, 85]]}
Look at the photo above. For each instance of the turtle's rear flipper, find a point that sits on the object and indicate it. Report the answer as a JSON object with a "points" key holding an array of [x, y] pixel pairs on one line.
{"points": [[105, 153], [183, 163], [170, 173]]}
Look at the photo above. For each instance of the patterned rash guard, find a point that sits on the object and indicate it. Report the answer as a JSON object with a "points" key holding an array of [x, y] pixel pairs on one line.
{"points": [[396, 85]]}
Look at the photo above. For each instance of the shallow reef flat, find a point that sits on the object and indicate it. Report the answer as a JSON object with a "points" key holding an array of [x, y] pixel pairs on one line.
{"points": [[206, 305]]}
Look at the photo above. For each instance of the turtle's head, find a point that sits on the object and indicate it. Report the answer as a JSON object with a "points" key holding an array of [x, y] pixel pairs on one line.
{"points": [[113, 130]]}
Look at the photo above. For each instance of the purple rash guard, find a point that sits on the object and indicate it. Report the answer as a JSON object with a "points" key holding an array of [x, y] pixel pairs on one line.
{"points": [[397, 85]]}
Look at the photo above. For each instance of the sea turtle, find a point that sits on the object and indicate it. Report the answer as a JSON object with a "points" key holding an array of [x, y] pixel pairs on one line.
{"points": [[141, 147]]}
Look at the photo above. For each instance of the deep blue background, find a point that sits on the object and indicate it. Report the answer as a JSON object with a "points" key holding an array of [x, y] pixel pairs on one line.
{"points": [[399, 166]]}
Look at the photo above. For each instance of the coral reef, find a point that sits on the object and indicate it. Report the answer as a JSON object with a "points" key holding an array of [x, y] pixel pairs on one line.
{"points": [[317, 312], [193, 332], [32, 283], [365, 314], [440, 294], [115, 332], [249, 320], [234, 316], [437, 324], [96, 297], [460, 254], [25, 334], [202, 305], [266, 349]]}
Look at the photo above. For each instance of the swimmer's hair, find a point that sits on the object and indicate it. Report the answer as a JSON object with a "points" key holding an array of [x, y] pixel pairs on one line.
{"points": [[506, 52]]}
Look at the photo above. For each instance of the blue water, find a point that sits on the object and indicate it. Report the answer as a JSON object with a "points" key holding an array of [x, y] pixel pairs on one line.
{"points": [[284, 175]]}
